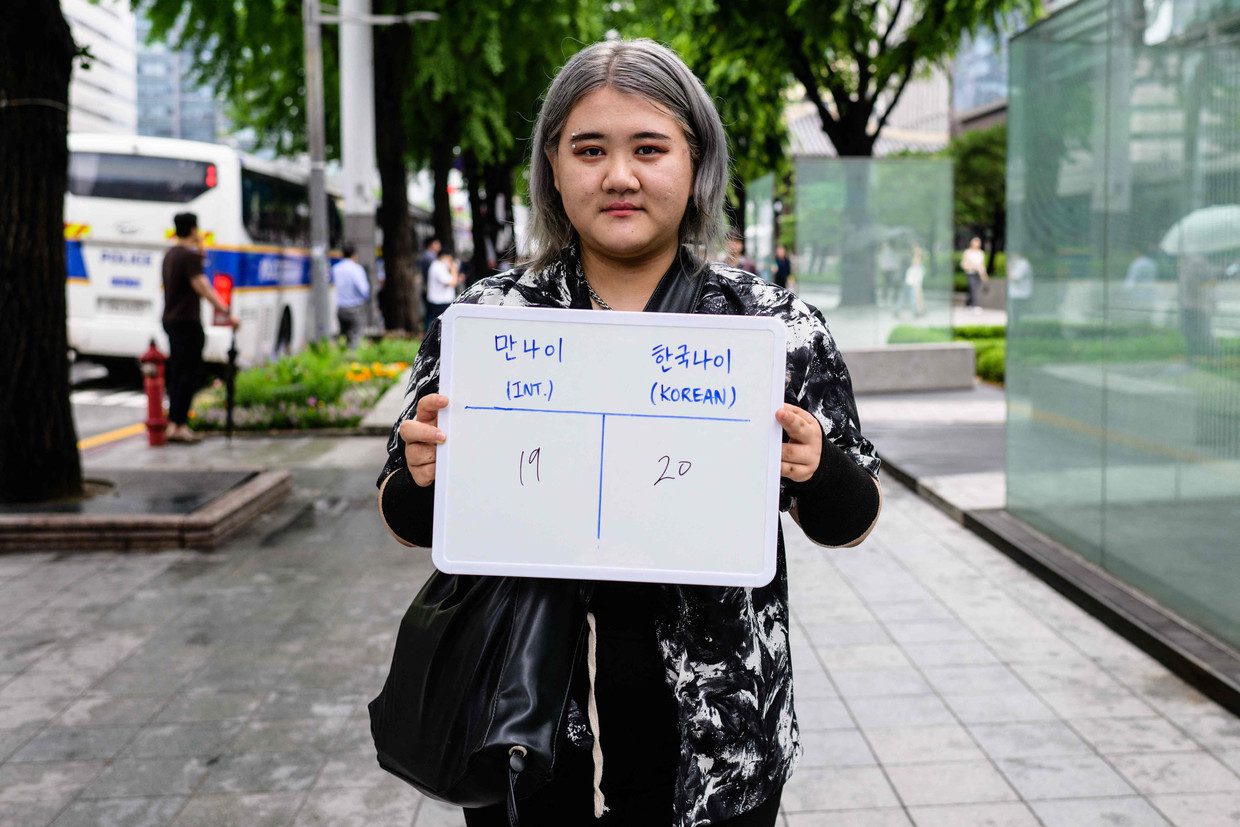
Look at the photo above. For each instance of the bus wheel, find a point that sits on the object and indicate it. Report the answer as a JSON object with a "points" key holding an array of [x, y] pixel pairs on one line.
{"points": [[284, 336]]}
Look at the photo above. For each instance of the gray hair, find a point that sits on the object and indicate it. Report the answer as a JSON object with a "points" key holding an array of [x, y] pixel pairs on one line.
{"points": [[652, 71]]}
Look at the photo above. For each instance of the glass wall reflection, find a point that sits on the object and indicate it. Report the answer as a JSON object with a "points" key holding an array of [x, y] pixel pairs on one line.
{"points": [[1123, 373], [874, 247]]}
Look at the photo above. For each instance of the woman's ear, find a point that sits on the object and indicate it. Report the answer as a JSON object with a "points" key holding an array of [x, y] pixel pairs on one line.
{"points": [[551, 160]]}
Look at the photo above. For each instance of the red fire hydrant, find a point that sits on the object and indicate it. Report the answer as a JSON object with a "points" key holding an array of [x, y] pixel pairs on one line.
{"points": [[153, 380]]}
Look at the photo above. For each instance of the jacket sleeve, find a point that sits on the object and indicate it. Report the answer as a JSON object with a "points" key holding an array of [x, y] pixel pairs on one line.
{"points": [[839, 505], [408, 509]]}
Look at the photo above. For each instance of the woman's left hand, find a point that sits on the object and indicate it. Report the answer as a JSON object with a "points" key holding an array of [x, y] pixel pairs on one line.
{"points": [[802, 452]]}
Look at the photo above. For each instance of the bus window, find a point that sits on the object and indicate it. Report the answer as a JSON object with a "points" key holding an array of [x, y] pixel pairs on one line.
{"points": [[139, 177], [274, 211]]}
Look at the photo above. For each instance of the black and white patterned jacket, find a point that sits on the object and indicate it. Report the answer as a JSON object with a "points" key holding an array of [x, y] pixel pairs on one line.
{"points": [[725, 649]]}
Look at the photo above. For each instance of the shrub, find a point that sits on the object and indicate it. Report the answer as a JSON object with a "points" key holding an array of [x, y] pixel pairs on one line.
{"points": [[325, 385], [991, 356]]}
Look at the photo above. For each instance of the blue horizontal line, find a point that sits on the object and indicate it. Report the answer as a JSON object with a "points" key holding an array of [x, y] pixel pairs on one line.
{"points": [[603, 413]]}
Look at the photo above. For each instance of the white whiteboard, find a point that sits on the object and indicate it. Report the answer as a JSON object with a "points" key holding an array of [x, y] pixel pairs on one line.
{"points": [[609, 446]]}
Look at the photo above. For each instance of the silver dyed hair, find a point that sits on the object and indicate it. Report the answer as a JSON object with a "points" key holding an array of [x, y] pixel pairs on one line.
{"points": [[654, 72]]}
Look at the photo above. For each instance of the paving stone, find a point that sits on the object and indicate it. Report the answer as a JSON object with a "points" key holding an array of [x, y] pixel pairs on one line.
{"points": [[963, 782], [1119, 735], [863, 657], [255, 772], [822, 713], [23, 711], [31, 684], [150, 777], [58, 743], [950, 654], [835, 748], [307, 703], [1029, 740], [1216, 730], [975, 815], [1000, 707], [920, 745], [45, 783], [1209, 810], [29, 815], [11, 740], [107, 709], [903, 710], [209, 706], [1176, 772], [288, 735], [965, 679], [251, 810], [838, 788], [362, 807], [930, 631], [121, 812], [892, 680], [1131, 811], [884, 817], [1068, 776], [183, 740], [1096, 703]]}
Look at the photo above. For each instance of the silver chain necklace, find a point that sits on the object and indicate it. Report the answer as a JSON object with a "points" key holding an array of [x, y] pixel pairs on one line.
{"points": [[597, 298]]}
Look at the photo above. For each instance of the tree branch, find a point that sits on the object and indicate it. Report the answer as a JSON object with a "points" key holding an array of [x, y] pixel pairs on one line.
{"points": [[891, 27]]}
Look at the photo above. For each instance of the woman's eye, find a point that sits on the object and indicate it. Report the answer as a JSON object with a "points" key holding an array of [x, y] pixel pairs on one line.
{"points": [[590, 152], [649, 150]]}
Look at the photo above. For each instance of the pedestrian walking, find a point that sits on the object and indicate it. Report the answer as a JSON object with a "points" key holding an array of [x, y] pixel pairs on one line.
{"points": [[430, 252], [973, 262], [689, 719], [442, 279], [911, 297], [781, 270], [352, 295], [185, 285]]}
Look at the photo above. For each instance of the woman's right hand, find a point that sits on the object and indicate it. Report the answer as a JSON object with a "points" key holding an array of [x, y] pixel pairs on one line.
{"points": [[421, 434]]}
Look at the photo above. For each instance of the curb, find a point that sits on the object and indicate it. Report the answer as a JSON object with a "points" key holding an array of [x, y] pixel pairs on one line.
{"points": [[203, 529]]}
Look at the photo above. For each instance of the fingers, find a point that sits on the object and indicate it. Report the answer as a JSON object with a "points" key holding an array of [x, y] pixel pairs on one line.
{"points": [[429, 407], [798, 423], [800, 456]]}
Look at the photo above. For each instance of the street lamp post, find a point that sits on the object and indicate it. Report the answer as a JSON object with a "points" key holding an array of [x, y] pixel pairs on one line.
{"points": [[358, 137], [316, 141]]}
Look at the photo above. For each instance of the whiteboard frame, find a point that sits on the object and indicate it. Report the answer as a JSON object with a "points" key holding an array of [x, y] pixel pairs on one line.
{"points": [[672, 321]]}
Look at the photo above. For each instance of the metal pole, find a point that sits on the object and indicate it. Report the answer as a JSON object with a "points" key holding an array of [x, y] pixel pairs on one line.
{"points": [[357, 137], [319, 288]]}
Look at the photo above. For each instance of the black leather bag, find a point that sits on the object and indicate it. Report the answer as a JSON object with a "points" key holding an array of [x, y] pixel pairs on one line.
{"points": [[474, 706]]}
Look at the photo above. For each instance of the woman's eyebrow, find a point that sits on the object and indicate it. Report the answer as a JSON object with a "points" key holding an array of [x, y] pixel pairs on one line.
{"points": [[636, 136]]}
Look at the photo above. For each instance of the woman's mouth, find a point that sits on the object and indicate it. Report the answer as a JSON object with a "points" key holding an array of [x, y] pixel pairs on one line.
{"points": [[620, 208]]}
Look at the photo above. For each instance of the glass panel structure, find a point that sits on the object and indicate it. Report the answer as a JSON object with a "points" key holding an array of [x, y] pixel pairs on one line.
{"points": [[760, 238], [1123, 375], [874, 247]]}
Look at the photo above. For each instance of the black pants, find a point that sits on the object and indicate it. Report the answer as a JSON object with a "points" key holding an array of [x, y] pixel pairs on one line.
{"points": [[975, 288], [183, 372], [638, 730]]}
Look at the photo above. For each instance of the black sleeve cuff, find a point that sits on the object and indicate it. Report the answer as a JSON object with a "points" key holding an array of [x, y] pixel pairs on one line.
{"points": [[837, 505], [407, 509]]}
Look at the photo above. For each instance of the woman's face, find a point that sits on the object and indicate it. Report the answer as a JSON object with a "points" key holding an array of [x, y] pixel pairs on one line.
{"points": [[623, 171]]}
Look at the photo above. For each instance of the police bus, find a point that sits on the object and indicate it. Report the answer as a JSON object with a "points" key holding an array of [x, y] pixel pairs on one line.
{"points": [[255, 220]]}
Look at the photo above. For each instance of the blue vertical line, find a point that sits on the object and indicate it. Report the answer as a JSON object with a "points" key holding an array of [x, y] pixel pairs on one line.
{"points": [[602, 441]]}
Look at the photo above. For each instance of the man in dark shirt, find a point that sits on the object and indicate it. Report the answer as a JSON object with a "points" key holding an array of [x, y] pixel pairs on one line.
{"points": [[782, 268], [185, 285]]}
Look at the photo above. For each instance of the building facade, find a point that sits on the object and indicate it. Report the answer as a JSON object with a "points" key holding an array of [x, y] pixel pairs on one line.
{"points": [[103, 91], [170, 103]]}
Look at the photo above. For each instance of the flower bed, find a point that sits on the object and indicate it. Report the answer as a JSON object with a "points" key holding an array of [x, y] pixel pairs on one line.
{"points": [[324, 386]]}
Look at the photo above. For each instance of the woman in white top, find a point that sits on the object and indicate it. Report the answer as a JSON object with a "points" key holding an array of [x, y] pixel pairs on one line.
{"points": [[441, 282], [973, 262]]}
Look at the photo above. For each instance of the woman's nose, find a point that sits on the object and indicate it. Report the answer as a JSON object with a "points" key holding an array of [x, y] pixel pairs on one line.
{"points": [[620, 176]]}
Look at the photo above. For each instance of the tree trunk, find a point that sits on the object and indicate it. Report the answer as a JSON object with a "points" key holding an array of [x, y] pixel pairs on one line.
{"points": [[499, 207], [441, 166], [38, 442], [479, 220], [400, 298]]}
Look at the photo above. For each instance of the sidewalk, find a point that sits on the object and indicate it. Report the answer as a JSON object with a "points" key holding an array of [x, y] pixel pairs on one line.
{"points": [[937, 683]]}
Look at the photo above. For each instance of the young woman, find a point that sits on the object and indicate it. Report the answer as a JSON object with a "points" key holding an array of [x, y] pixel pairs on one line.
{"points": [[694, 683]]}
